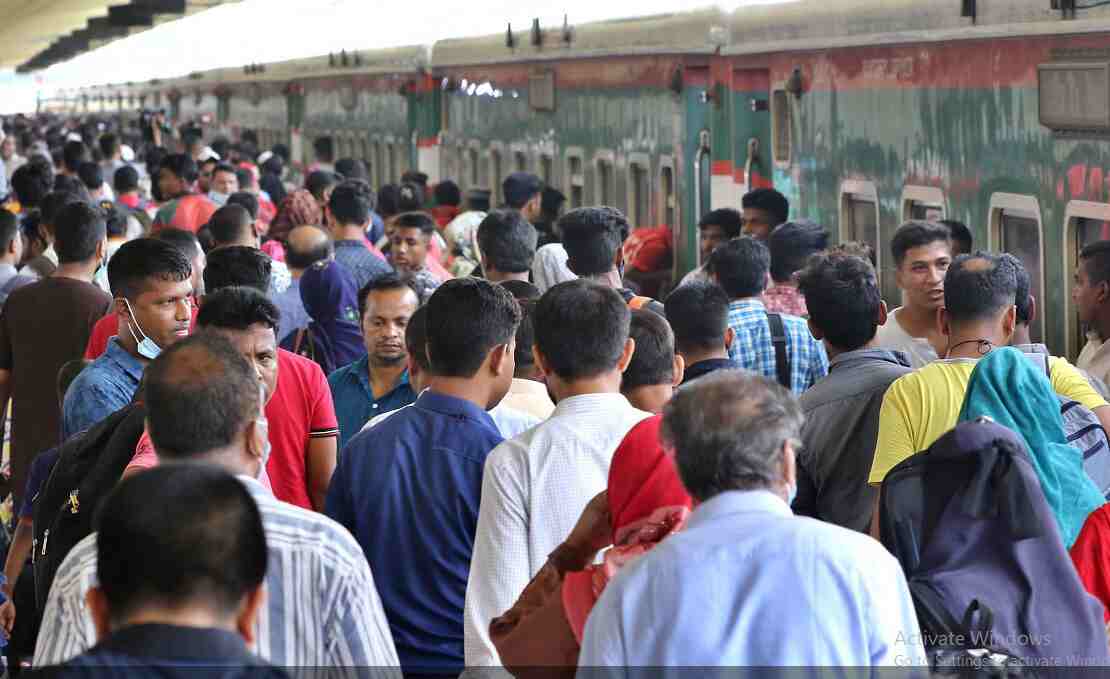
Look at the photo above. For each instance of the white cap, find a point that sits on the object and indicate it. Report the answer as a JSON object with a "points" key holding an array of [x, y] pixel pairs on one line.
{"points": [[264, 156], [208, 154], [126, 153], [73, 136]]}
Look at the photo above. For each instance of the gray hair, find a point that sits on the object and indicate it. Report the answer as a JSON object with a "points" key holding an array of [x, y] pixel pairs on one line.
{"points": [[728, 430]]}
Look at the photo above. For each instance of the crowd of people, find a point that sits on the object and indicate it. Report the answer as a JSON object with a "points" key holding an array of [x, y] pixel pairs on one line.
{"points": [[278, 418]]}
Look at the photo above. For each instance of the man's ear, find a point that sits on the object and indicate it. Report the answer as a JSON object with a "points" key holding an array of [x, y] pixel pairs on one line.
{"points": [[121, 309], [542, 366], [1032, 309], [679, 369], [97, 603], [730, 337], [881, 318], [1009, 321], [626, 355], [248, 613], [814, 330], [499, 359], [943, 323]]}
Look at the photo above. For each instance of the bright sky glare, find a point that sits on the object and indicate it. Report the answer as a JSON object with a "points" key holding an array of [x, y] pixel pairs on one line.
{"points": [[261, 31]]}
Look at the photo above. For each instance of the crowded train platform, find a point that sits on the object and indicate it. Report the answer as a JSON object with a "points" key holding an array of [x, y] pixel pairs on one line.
{"points": [[629, 363]]}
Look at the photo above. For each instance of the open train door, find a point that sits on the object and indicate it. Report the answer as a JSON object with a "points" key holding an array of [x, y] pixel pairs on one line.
{"points": [[695, 167]]}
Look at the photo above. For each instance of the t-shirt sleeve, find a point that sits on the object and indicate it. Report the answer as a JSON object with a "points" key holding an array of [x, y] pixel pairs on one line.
{"points": [[895, 440], [40, 470], [322, 422], [145, 455], [1070, 383]]}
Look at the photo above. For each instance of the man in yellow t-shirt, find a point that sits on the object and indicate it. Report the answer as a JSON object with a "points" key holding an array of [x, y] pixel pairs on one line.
{"points": [[978, 315]]}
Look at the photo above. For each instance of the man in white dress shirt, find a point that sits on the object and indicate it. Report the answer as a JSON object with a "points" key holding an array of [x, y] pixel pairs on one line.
{"points": [[536, 485]]}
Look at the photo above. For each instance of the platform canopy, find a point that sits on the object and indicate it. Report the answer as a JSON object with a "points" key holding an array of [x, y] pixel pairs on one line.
{"points": [[35, 34]]}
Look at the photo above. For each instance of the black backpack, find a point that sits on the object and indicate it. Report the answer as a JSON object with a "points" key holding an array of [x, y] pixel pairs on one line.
{"points": [[89, 466], [989, 575]]}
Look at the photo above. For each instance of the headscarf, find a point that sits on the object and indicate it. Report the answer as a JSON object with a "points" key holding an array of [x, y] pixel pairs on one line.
{"points": [[647, 503], [1006, 387], [333, 338]]}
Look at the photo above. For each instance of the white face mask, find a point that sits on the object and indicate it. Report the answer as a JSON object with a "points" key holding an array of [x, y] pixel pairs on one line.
{"points": [[219, 199]]}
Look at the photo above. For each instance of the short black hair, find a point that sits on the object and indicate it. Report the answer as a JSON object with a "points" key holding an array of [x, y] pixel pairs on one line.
{"points": [[90, 175], [184, 240], [844, 292], [917, 234], [52, 204], [125, 179], [551, 202], [73, 154], [238, 308], [741, 267], [521, 289], [66, 184], [139, 260], [388, 200], [581, 328], [519, 188], [410, 197], [978, 285], [230, 224], [414, 177], [324, 147], [237, 265], [31, 182], [468, 317], [698, 314], [297, 259], [181, 165], [9, 229], [961, 235], [770, 201], [245, 178], [246, 200], [507, 241], [1096, 261], [730, 221], [179, 535], [791, 244], [388, 281], [447, 193], [526, 335], [109, 144], [653, 361], [115, 218], [416, 338], [1022, 299], [592, 237], [415, 220], [320, 181], [78, 229], [352, 202], [225, 167], [858, 249], [200, 394], [351, 168]]}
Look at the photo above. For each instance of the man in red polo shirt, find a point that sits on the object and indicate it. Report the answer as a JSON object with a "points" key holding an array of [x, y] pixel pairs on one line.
{"points": [[185, 209]]}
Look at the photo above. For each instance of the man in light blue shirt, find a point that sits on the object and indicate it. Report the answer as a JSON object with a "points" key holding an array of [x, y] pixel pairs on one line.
{"points": [[747, 583]]}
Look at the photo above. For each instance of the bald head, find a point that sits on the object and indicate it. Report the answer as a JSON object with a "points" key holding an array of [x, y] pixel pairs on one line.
{"points": [[305, 246], [201, 395], [979, 286]]}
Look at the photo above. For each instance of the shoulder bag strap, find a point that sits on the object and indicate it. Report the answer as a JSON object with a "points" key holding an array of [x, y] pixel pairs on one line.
{"points": [[782, 357]]}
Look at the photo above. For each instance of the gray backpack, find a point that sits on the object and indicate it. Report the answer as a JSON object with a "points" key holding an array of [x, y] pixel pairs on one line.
{"points": [[1083, 429]]}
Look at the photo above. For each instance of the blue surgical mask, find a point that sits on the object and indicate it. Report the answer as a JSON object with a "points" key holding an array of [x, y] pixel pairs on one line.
{"points": [[219, 199], [147, 347]]}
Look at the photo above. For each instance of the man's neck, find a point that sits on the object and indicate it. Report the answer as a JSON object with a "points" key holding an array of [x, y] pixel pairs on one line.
{"points": [[466, 389], [495, 276], [699, 355], [917, 322], [350, 232], [10, 261], [1021, 335], [834, 351], [75, 270], [128, 343], [1101, 326], [612, 279], [199, 617], [384, 377], [606, 383], [296, 274], [965, 342]]}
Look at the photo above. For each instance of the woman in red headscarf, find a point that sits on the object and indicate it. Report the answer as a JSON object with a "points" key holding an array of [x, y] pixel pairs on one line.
{"points": [[645, 502]]}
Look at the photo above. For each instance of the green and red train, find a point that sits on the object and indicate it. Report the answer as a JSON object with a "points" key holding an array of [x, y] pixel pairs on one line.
{"points": [[864, 113]]}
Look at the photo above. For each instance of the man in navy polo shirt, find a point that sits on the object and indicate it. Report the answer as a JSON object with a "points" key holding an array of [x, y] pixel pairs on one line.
{"points": [[409, 488]]}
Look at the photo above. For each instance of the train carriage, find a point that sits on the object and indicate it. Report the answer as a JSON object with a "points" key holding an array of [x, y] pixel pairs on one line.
{"points": [[864, 113]]}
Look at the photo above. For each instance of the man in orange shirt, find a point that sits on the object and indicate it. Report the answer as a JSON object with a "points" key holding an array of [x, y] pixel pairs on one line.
{"points": [[185, 209]]}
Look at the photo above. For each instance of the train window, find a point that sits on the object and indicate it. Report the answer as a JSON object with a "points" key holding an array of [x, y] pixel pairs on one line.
{"points": [[1085, 223], [547, 169], [520, 161], [604, 186], [666, 192], [781, 127], [391, 173], [1015, 227], [923, 203], [576, 178], [639, 189], [859, 221]]}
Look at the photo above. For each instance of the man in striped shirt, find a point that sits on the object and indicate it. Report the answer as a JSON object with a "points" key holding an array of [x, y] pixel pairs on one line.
{"points": [[322, 607]]}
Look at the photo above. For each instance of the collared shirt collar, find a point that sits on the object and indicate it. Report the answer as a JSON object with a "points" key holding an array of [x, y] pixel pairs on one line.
{"points": [[7, 270], [455, 407], [702, 368], [860, 355], [173, 642], [131, 365], [739, 502], [361, 369], [529, 387], [585, 404], [746, 303]]}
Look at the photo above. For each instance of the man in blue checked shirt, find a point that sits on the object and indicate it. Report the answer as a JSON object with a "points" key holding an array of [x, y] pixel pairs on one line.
{"points": [[741, 267]]}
